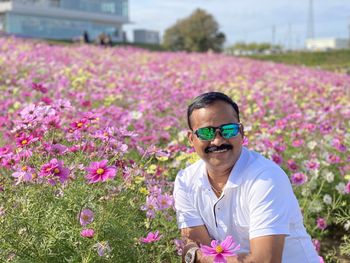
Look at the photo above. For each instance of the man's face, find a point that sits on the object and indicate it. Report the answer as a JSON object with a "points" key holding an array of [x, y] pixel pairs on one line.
{"points": [[215, 115]]}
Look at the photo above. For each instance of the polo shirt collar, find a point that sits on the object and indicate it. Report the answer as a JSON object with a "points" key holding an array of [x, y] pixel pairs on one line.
{"points": [[235, 177]]}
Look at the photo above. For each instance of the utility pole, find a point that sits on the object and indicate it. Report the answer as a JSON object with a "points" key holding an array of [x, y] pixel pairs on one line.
{"points": [[310, 21]]}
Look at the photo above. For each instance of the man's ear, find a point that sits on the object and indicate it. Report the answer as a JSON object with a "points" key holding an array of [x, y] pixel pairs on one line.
{"points": [[190, 137], [241, 130]]}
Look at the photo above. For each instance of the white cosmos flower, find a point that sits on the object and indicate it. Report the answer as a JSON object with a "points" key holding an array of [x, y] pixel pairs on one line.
{"points": [[136, 115], [329, 177], [311, 145], [340, 188], [347, 225], [327, 199]]}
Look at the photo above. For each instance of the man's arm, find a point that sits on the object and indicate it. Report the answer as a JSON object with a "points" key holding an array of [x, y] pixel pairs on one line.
{"points": [[193, 236], [265, 249]]}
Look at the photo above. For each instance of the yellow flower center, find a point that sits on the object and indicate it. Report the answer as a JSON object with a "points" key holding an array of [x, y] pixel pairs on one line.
{"points": [[56, 171], [219, 249], [24, 168], [24, 142], [80, 124], [34, 175], [100, 171]]}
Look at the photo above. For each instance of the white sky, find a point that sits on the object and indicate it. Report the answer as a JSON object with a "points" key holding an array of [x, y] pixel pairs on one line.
{"points": [[248, 20]]}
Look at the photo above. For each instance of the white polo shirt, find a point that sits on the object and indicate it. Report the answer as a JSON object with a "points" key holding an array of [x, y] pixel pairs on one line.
{"points": [[257, 200]]}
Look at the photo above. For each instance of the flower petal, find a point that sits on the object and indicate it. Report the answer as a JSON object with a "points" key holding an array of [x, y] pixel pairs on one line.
{"points": [[219, 259]]}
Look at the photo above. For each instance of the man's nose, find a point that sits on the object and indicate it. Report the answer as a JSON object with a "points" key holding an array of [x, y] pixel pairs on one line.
{"points": [[218, 139]]}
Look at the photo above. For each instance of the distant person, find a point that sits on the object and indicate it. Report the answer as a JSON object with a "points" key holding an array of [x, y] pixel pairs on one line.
{"points": [[86, 38]]}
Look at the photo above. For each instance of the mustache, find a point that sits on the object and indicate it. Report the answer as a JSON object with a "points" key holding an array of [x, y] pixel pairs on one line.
{"points": [[218, 148]]}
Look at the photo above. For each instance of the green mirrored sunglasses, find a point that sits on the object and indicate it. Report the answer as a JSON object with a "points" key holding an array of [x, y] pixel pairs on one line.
{"points": [[227, 131]]}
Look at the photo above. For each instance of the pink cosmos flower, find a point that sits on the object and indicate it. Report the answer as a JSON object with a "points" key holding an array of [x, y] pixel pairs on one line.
{"points": [[151, 237], [100, 172], [297, 143], [299, 178], [321, 259], [54, 169], [312, 164], [164, 201], [226, 248], [333, 158], [277, 158], [292, 165], [347, 188], [89, 233], [321, 223], [86, 217], [24, 139], [80, 124], [25, 174], [317, 244]]}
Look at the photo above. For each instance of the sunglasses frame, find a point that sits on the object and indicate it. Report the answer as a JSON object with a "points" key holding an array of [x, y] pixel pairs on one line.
{"points": [[220, 130]]}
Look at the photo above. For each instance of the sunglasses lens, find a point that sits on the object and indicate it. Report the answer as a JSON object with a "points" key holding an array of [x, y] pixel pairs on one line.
{"points": [[206, 134], [229, 130]]}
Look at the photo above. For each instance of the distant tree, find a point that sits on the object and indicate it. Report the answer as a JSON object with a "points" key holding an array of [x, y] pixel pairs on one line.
{"points": [[199, 32]]}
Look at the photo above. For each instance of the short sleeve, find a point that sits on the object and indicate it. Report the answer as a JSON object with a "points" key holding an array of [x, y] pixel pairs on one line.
{"points": [[186, 213], [271, 199]]}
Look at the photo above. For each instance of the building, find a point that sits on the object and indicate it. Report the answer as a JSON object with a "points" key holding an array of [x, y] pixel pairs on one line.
{"points": [[64, 19], [324, 44], [144, 36]]}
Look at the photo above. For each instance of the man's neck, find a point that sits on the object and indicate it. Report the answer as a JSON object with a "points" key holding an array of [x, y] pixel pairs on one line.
{"points": [[218, 177]]}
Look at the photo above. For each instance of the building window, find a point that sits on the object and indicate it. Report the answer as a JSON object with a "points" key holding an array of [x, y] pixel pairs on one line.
{"points": [[55, 3], [108, 8]]}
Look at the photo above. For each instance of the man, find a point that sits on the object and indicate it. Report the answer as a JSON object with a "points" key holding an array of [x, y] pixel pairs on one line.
{"points": [[235, 191]]}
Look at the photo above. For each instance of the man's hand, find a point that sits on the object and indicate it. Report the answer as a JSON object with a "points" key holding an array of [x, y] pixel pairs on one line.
{"points": [[265, 249]]}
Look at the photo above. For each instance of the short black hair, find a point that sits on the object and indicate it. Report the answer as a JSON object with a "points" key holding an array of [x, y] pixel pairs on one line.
{"points": [[206, 99]]}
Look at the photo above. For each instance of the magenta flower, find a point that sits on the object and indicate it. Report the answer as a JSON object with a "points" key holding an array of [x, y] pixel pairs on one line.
{"points": [[312, 165], [88, 233], [321, 223], [298, 178], [317, 245], [80, 124], [277, 158], [292, 165], [297, 143], [333, 158], [347, 188], [151, 237], [164, 201], [54, 169], [86, 217], [321, 259], [226, 248], [100, 172], [23, 140]]}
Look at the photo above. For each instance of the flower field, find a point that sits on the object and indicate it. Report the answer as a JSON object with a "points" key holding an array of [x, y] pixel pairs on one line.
{"points": [[92, 139]]}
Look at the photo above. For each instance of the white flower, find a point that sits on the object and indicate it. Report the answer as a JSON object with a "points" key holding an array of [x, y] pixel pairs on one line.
{"points": [[136, 115], [327, 199], [329, 177], [182, 135], [305, 191], [315, 206], [340, 188], [311, 145], [347, 225]]}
